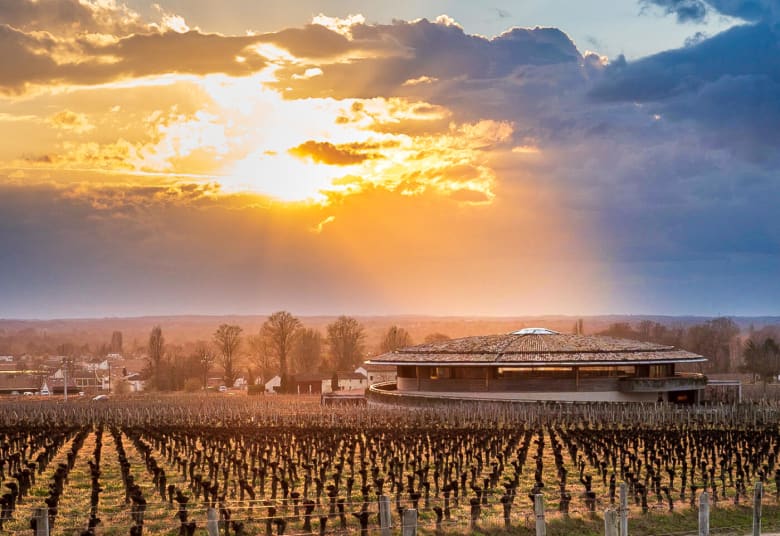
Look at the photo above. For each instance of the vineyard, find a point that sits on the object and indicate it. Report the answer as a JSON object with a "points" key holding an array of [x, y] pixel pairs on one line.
{"points": [[287, 466]]}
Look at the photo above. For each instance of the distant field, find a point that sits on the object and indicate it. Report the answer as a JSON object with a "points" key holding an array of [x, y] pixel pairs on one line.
{"points": [[263, 462]]}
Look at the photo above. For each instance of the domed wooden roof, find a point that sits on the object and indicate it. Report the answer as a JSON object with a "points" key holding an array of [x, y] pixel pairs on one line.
{"points": [[537, 347]]}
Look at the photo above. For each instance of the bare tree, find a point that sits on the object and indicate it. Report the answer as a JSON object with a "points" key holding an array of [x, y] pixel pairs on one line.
{"points": [[205, 358], [116, 342], [713, 339], [156, 351], [280, 330], [436, 337], [260, 355], [307, 349], [227, 338], [762, 359], [345, 339], [394, 339]]}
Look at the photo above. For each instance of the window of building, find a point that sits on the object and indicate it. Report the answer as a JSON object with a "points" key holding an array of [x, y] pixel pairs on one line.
{"points": [[469, 373], [661, 371], [535, 372], [442, 373], [606, 372]]}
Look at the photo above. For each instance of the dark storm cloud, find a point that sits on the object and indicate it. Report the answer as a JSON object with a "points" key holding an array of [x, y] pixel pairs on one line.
{"points": [[751, 50], [729, 83], [696, 10], [685, 10]]}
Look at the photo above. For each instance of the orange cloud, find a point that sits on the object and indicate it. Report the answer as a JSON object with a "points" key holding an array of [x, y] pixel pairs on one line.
{"points": [[327, 153], [69, 120]]}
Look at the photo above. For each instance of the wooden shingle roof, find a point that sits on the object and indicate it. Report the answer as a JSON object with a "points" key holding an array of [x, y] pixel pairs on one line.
{"points": [[537, 349]]}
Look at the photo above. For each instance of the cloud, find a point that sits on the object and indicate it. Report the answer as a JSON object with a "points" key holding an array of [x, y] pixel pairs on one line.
{"points": [[138, 55], [696, 10], [496, 156], [503, 14], [312, 41], [438, 53], [685, 10], [68, 120], [24, 59], [420, 80], [327, 153], [70, 16], [321, 225], [739, 66], [740, 51]]}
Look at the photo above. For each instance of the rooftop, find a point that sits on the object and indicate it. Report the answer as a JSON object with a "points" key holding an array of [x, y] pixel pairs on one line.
{"points": [[535, 346]]}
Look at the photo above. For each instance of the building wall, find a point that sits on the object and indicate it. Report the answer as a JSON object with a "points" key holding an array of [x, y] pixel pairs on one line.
{"points": [[346, 385], [507, 385], [553, 396], [272, 384], [381, 377]]}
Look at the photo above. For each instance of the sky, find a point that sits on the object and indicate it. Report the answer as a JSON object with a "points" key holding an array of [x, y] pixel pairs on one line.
{"points": [[364, 157]]}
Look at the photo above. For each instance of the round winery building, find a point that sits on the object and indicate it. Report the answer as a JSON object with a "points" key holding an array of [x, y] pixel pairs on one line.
{"points": [[536, 364]]}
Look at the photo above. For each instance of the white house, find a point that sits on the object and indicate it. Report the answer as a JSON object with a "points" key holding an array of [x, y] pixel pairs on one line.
{"points": [[350, 380], [273, 384], [240, 383], [378, 373], [99, 365], [135, 382]]}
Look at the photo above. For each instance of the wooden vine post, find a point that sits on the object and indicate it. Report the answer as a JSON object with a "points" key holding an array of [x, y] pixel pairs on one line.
{"points": [[704, 514], [409, 527], [541, 529], [623, 511], [385, 517], [758, 494]]}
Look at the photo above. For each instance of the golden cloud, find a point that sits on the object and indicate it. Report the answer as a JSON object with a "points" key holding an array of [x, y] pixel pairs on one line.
{"points": [[68, 120], [327, 153]]}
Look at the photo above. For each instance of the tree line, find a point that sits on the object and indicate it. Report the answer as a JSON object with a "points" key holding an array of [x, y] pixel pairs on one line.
{"points": [[283, 346], [718, 340]]}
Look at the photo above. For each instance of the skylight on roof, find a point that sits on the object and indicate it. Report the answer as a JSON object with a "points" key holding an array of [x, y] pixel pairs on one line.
{"points": [[534, 331]]}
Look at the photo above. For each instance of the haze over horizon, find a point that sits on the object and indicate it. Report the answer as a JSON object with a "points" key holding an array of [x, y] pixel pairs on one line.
{"points": [[374, 158]]}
